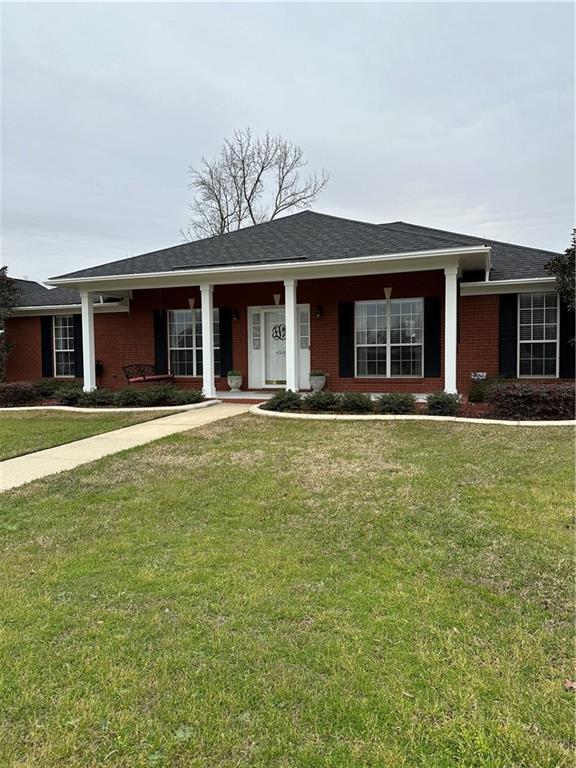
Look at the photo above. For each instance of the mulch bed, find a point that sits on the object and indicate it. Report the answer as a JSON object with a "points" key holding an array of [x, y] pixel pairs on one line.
{"points": [[465, 410], [475, 411]]}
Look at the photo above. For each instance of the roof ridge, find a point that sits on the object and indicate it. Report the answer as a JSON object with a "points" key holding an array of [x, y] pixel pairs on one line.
{"points": [[308, 211], [421, 234], [338, 218], [471, 237]]}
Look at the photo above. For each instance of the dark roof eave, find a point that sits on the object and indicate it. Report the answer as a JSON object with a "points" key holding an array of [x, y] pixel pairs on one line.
{"points": [[268, 266]]}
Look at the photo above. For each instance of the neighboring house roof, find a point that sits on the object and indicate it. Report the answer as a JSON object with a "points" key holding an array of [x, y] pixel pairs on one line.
{"points": [[313, 237], [33, 294]]}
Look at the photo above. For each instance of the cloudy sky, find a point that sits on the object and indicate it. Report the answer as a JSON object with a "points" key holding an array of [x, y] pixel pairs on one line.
{"points": [[458, 116]]}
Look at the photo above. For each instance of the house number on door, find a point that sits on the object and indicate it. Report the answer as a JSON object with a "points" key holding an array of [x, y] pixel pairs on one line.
{"points": [[279, 333]]}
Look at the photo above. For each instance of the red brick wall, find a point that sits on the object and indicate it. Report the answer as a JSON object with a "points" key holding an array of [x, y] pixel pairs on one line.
{"points": [[478, 338], [121, 339], [124, 338], [24, 362], [324, 331], [478, 319]]}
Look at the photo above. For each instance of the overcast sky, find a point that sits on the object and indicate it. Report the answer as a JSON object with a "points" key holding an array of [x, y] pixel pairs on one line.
{"points": [[457, 116]]}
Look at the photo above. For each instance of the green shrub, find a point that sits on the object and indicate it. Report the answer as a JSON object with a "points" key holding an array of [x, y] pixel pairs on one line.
{"points": [[519, 402], [355, 402], [150, 397], [131, 397], [157, 394], [99, 398], [396, 402], [321, 402], [284, 402], [480, 390], [68, 394], [186, 396], [442, 404], [46, 388], [17, 393], [166, 394]]}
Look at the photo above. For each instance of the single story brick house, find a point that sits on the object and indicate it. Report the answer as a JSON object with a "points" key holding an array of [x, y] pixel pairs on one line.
{"points": [[377, 307]]}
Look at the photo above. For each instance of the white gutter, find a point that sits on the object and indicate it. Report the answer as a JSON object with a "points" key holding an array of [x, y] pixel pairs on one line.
{"points": [[204, 273], [525, 285], [72, 309]]}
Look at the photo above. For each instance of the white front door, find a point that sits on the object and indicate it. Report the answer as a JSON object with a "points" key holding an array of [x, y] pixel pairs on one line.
{"points": [[267, 347], [274, 347]]}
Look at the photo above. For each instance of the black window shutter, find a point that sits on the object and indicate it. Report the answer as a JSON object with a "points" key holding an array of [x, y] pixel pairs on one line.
{"points": [[78, 356], [346, 339], [508, 335], [567, 348], [46, 343], [226, 354], [160, 342], [432, 326]]}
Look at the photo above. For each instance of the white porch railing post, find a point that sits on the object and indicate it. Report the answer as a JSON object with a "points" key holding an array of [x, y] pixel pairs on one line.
{"points": [[450, 328], [206, 292], [88, 346], [291, 335]]}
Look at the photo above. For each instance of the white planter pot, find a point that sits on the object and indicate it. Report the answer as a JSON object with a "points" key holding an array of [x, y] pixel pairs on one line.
{"points": [[235, 382], [317, 383]]}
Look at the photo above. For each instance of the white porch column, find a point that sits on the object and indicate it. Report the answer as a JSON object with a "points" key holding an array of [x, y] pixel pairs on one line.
{"points": [[291, 335], [206, 292], [88, 347], [450, 328]]}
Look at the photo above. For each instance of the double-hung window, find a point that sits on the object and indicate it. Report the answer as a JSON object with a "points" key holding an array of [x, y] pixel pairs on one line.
{"points": [[538, 334], [64, 364], [389, 337], [185, 342]]}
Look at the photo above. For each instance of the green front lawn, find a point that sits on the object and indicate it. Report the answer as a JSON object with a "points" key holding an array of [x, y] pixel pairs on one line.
{"points": [[27, 431], [275, 593]]}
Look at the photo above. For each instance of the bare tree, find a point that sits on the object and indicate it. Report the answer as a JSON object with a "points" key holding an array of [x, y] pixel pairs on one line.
{"points": [[250, 181]]}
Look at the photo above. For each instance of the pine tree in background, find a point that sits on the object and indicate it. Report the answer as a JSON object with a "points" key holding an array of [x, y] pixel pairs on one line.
{"points": [[9, 295], [563, 268]]}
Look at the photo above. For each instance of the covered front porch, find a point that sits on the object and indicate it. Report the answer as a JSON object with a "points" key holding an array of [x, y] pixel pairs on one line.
{"points": [[373, 325]]}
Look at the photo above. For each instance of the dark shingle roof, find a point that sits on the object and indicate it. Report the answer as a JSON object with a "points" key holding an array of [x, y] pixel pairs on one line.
{"points": [[36, 295], [310, 236], [305, 236], [509, 261]]}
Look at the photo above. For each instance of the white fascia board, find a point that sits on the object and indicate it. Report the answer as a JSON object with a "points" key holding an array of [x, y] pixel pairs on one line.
{"points": [[260, 273], [70, 309], [527, 285]]}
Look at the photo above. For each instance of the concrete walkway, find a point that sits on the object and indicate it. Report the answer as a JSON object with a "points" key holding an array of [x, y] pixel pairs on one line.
{"points": [[24, 469]]}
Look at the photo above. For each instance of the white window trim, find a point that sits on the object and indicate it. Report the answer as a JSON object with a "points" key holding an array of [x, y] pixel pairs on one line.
{"points": [[556, 375], [389, 345], [54, 350], [194, 348]]}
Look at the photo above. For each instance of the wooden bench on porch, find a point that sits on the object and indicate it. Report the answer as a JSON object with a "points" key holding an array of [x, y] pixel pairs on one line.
{"points": [[139, 373]]}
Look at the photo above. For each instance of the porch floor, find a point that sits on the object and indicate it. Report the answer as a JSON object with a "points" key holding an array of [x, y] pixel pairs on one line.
{"points": [[256, 395], [260, 395]]}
